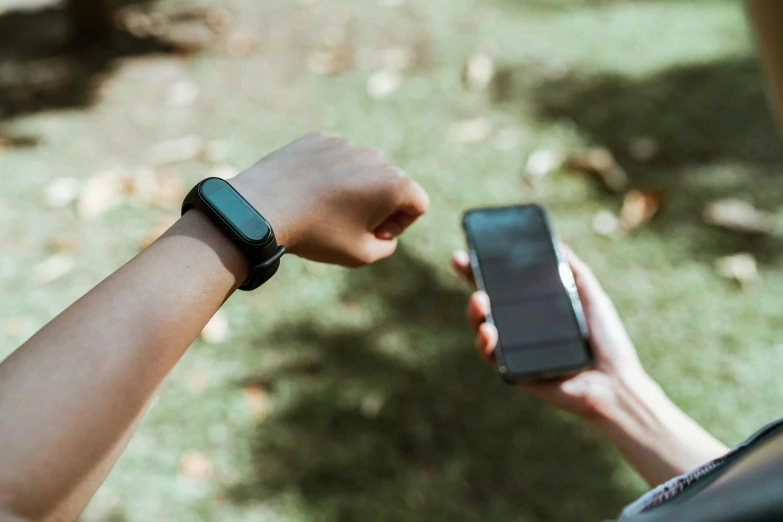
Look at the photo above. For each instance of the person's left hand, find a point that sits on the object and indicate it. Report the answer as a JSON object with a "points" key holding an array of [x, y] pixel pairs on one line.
{"points": [[616, 364]]}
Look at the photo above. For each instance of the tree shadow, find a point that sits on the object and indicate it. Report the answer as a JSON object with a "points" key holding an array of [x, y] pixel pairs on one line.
{"points": [[44, 67], [401, 421], [715, 133]]}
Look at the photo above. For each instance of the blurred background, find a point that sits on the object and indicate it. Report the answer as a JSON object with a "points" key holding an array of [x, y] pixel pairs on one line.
{"points": [[352, 395]]}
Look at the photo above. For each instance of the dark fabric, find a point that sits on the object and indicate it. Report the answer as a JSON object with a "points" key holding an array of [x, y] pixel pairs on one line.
{"points": [[756, 497]]}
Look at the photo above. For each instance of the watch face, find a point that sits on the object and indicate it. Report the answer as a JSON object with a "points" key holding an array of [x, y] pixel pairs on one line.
{"points": [[235, 210]]}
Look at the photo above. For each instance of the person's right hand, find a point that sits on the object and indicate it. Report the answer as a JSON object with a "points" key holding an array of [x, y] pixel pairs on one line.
{"points": [[615, 357], [331, 201]]}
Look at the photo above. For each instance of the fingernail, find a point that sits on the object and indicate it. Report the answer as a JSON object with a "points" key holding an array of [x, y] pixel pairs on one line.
{"points": [[461, 257], [483, 298]]}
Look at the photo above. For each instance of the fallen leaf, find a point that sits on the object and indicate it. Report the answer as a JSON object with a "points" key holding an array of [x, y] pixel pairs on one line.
{"points": [[195, 465], [198, 380], [214, 151], [64, 243], [479, 72], [218, 19], [639, 206], [53, 268], [216, 330], [330, 62], [241, 44], [542, 162], [334, 36], [61, 192], [171, 189], [223, 172], [605, 223], [158, 230], [740, 216], [371, 405], [382, 83], [398, 58], [506, 139], [141, 183], [182, 93], [643, 148], [470, 131], [100, 194], [600, 161], [740, 267], [177, 150], [18, 326], [257, 401]]}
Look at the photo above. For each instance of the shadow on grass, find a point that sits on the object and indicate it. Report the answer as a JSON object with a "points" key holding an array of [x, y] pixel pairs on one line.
{"points": [[715, 132], [402, 421], [43, 66]]}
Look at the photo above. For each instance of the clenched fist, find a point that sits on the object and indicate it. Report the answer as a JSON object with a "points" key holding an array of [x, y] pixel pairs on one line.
{"points": [[331, 201]]}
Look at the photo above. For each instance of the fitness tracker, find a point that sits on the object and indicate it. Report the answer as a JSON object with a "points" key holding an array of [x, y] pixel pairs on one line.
{"points": [[242, 224]]}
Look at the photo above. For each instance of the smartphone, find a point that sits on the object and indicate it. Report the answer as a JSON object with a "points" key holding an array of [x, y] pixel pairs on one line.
{"points": [[518, 261]]}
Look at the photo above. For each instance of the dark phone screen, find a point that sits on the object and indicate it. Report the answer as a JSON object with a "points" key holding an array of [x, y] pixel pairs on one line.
{"points": [[521, 274]]}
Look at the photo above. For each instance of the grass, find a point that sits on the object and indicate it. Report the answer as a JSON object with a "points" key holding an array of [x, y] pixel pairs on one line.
{"points": [[378, 408]]}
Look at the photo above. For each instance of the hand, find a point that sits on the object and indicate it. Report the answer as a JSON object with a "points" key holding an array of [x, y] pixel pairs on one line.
{"points": [[331, 201], [615, 356]]}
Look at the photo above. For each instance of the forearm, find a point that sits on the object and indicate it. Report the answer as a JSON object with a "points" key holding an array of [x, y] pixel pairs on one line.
{"points": [[71, 393], [658, 438]]}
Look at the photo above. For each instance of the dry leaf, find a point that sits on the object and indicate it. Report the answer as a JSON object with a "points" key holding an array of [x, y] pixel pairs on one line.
{"points": [[157, 231], [241, 44], [542, 162], [64, 243], [470, 131], [382, 83], [479, 72], [171, 188], [740, 216], [223, 172], [506, 139], [330, 62], [216, 330], [643, 148], [257, 401], [61, 192], [198, 380], [53, 268], [215, 151], [371, 405], [18, 326], [605, 223], [101, 193], [398, 58], [740, 267], [141, 183], [218, 19], [600, 162], [195, 465], [176, 150], [639, 206], [182, 93]]}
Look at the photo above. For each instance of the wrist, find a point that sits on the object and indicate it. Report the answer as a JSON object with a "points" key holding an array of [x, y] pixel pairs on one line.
{"points": [[265, 204], [196, 225]]}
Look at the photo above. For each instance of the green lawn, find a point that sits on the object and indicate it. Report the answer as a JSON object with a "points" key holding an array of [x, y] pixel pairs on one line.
{"points": [[378, 408]]}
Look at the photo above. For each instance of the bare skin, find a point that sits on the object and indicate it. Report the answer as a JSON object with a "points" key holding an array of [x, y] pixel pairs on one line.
{"points": [[72, 395], [617, 395]]}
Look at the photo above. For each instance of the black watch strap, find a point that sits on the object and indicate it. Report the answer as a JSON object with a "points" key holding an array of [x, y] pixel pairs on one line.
{"points": [[263, 255]]}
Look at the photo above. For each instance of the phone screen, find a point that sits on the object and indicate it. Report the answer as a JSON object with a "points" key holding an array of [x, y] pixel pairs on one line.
{"points": [[532, 293]]}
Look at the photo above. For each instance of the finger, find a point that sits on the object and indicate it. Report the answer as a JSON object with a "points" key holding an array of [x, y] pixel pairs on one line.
{"points": [[586, 282], [413, 200], [394, 225], [460, 262], [478, 309], [376, 249], [487, 340]]}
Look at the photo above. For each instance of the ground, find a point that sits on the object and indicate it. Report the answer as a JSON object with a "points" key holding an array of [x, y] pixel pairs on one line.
{"points": [[344, 395]]}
